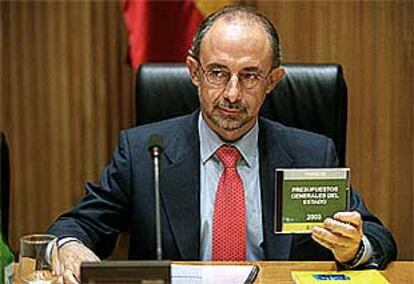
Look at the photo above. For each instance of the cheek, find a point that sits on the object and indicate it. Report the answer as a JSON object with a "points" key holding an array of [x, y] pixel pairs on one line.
{"points": [[254, 102], [209, 96]]}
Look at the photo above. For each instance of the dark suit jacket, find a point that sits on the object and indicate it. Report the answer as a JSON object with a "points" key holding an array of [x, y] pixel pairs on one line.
{"points": [[123, 200]]}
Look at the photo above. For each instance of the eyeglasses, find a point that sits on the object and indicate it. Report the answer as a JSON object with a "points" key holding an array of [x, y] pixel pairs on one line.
{"points": [[219, 77]]}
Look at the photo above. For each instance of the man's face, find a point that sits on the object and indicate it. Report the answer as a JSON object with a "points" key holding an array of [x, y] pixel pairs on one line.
{"points": [[233, 48]]}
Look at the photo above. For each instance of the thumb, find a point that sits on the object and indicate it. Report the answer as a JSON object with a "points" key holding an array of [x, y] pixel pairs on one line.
{"points": [[69, 277]]}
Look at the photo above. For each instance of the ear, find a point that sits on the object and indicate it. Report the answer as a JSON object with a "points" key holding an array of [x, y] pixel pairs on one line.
{"points": [[193, 67], [274, 77]]}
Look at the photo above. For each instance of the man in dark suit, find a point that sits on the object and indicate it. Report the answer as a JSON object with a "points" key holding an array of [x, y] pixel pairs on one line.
{"points": [[217, 186]]}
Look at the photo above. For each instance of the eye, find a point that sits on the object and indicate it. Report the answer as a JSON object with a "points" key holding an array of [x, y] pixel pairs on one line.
{"points": [[248, 76], [219, 75]]}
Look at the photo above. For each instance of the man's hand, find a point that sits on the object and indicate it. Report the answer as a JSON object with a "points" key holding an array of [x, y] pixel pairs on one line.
{"points": [[68, 260], [342, 234]]}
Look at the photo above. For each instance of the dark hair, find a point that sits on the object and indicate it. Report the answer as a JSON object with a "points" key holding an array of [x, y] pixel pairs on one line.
{"points": [[243, 13]]}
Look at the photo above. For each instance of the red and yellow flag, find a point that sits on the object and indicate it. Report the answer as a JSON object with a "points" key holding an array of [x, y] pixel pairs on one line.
{"points": [[161, 31]]}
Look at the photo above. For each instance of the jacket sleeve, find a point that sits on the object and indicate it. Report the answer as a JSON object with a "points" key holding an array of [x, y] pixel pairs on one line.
{"points": [[382, 241], [103, 212]]}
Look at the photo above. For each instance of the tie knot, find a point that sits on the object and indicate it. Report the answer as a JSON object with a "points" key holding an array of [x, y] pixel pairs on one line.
{"points": [[228, 155]]}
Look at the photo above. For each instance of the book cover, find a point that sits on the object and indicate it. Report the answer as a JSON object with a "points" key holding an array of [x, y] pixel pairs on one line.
{"points": [[351, 277], [306, 197]]}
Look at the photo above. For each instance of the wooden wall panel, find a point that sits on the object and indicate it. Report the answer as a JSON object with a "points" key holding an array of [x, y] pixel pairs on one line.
{"points": [[66, 93], [373, 40]]}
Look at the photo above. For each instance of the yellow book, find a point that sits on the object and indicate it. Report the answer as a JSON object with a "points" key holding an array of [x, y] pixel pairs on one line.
{"points": [[346, 277]]}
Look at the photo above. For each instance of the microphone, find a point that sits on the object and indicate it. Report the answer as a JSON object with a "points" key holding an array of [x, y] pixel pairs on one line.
{"points": [[155, 147]]}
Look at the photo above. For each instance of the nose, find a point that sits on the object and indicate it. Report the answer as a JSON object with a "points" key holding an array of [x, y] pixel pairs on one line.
{"points": [[233, 89]]}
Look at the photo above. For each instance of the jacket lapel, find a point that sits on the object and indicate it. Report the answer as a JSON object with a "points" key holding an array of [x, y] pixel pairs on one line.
{"points": [[272, 156], [180, 188]]}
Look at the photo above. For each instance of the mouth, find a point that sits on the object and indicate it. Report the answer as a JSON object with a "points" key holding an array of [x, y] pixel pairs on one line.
{"points": [[229, 111]]}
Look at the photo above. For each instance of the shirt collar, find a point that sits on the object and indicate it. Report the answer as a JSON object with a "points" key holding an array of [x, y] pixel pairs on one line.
{"points": [[210, 142]]}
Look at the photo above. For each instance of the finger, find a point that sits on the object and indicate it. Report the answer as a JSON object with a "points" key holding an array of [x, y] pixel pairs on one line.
{"points": [[323, 242], [353, 218], [341, 228], [86, 256], [56, 264], [59, 280], [76, 271], [69, 277], [69, 263], [93, 257], [61, 268], [331, 240], [74, 267]]}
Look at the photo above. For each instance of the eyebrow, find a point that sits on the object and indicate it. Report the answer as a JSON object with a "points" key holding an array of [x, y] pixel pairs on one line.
{"points": [[217, 65], [246, 69], [251, 69]]}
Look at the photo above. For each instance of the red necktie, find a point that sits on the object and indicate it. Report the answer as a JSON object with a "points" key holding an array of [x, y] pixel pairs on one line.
{"points": [[229, 221]]}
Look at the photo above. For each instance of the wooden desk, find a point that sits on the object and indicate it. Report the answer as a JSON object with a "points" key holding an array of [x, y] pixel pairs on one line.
{"points": [[280, 272], [399, 272]]}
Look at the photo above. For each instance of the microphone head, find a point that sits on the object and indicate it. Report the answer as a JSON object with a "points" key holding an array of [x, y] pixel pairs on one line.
{"points": [[155, 141]]}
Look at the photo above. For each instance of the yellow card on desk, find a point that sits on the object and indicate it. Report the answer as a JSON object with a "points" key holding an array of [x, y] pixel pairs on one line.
{"points": [[351, 277]]}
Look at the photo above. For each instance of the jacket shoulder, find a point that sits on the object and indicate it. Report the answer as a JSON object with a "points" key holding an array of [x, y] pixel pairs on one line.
{"points": [[302, 146], [292, 134], [166, 128]]}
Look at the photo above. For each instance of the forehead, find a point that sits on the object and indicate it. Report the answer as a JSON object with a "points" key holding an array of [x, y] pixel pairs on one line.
{"points": [[236, 44]]}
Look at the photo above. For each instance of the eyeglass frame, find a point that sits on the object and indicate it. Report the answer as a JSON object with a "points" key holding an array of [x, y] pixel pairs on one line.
{"points": [[258, 75]]}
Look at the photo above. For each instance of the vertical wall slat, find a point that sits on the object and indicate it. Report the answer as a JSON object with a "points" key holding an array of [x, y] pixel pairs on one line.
{"points": [[55, 98]]}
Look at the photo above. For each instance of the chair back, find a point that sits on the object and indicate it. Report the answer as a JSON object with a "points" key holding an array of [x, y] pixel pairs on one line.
{"points": [[310, 96]]}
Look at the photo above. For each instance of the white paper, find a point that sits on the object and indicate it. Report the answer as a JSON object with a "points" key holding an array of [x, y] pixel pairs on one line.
{"points": [[209, 274]]}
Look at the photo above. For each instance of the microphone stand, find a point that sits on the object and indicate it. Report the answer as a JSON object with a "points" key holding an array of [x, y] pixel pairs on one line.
{"points": [[155, 153]]}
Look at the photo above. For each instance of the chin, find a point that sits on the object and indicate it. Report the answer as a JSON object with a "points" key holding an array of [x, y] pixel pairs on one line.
{"points": [[230, 124]]}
